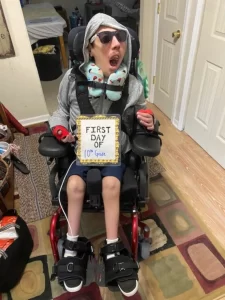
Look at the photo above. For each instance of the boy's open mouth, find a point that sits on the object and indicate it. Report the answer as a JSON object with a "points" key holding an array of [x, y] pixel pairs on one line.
{"points": [[114, 60]]}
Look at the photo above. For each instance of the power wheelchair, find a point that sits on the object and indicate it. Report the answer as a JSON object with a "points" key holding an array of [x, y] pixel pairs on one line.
{"points": [[134, 187]]}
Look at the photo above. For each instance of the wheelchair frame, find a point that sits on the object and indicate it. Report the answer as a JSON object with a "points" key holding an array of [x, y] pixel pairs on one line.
{"points": [[143, 236], [136, 223], [134, 209]]}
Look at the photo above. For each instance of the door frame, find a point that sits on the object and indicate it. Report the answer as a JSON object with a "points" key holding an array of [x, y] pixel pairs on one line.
{"points": [[200, 8], [154, 51], [147, 34], [194, 12]]}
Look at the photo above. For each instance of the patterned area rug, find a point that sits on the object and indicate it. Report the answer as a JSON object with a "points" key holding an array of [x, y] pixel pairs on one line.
{"points": [[33, 189], [183, 263]]}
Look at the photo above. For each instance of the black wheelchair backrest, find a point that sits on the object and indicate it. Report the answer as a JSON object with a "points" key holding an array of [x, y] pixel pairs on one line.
{"points": [[76, 40]]}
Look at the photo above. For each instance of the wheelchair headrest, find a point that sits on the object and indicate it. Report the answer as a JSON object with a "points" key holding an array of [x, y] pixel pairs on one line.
{"points": [[76, 40]]}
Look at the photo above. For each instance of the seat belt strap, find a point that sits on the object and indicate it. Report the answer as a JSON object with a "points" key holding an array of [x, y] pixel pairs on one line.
{"points": [[82, 93]]}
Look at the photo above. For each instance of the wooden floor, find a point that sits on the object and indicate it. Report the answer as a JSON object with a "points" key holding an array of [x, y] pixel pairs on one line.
{"points": [[199, 183], [197, 179]]}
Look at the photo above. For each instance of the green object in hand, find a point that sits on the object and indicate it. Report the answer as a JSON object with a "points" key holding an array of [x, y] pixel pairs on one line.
{"points": [[143, 78]]}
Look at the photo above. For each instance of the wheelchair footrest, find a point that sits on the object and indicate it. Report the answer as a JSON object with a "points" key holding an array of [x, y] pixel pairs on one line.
{"points": [[121, 267], [72, 268]]}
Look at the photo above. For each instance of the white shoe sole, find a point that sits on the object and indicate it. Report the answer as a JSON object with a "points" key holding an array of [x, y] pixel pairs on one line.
{"points": [[132, 293], [73, 289]]}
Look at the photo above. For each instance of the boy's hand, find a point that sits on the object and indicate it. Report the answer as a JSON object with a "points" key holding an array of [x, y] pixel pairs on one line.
{"points": [[63, 135], [69, 138], [146, 119]]}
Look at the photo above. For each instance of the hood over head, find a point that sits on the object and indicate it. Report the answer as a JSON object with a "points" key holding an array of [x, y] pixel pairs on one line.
{"points": [[93, 25]]}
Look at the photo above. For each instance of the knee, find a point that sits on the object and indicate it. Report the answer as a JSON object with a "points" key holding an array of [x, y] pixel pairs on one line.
{"points": [[76, 185], [111, 184]]}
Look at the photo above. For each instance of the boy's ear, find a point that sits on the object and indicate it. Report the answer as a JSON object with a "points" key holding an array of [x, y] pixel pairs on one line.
{"points": [[89, 49]]}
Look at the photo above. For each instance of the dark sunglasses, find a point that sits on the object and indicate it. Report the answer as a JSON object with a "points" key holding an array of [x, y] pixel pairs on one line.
{"points": [[107, 36]]}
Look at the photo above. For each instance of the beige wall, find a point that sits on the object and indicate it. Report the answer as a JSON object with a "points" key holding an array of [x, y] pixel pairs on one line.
{"points": [[20, 87], [146, 33]]}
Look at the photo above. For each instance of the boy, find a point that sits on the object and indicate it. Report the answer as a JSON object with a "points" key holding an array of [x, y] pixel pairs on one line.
{"points": [[107, 54]]}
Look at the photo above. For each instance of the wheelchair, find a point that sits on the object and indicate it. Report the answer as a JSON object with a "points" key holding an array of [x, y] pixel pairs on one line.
{"points": [[135, 183]]}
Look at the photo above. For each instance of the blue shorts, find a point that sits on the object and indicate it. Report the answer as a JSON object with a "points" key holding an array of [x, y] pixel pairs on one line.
{"points": [[115, 171]]}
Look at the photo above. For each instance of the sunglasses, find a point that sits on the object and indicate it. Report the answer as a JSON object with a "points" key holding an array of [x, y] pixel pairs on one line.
{"points": [[107, 36]]}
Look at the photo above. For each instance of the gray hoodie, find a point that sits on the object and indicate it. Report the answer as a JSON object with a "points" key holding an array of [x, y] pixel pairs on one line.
{"points": [[68, 109]]}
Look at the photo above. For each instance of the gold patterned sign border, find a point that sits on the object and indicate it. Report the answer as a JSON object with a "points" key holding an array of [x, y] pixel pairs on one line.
{"points": [[117, 142]]}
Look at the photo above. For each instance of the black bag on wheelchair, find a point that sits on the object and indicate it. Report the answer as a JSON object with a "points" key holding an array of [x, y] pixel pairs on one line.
{"points": [[14, 250]]}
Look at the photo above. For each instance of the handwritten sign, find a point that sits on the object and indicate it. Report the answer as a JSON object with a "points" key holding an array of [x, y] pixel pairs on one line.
{"points": [[98, 140]]}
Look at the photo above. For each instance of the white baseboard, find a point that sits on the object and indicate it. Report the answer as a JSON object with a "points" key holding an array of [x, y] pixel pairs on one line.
{"points": [[175, 123], [34, 120]]}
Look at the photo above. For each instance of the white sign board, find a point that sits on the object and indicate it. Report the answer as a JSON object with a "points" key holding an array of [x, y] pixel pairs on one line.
{"points": [[98, 140]]}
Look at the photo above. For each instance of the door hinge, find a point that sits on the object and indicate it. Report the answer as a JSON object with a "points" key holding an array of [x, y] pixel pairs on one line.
{"points": [[154, 79], [159, 8]]}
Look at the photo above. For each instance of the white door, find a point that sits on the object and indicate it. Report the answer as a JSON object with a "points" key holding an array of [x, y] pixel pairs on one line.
{"points": [[205, 121], [171, 19]]}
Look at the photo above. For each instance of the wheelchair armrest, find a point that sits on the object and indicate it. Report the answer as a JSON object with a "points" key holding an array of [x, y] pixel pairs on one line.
{"points": [[146, 143], [49, 146]]}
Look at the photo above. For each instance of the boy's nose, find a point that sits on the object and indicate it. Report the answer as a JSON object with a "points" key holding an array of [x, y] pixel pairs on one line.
{"points": [[115, 43]]}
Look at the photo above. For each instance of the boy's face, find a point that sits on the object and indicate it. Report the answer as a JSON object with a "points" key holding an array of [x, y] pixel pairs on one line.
{"points": [[108, 50]]}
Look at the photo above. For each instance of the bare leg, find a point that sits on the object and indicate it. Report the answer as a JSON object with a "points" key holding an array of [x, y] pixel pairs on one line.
{"points": [[75, 193], [111, 197]]}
